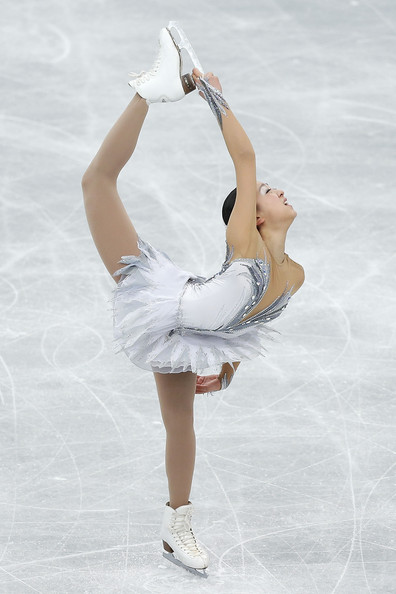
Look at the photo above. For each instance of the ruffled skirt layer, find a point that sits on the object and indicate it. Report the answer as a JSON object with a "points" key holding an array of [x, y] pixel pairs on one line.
{"points": [[148, 320]]}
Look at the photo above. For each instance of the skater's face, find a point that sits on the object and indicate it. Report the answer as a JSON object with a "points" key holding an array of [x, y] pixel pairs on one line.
{"points": [[272, 207]]}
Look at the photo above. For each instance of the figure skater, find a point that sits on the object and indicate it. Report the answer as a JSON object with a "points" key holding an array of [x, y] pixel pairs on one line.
{"points": [[168, 320]]}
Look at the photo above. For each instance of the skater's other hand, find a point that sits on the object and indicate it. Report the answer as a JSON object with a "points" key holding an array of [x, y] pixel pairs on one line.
{"points": [[207, 383], [210, 77]]}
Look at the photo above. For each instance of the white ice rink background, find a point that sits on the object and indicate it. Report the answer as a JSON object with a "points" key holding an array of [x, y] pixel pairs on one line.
{"points": [[294, 478]]}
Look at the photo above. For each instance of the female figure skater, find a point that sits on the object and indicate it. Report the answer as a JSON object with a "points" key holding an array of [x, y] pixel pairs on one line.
{"points": [[174, 323]]}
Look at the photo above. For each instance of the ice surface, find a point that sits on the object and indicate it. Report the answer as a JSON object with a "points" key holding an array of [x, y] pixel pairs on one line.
{"points": [[295, 462]]}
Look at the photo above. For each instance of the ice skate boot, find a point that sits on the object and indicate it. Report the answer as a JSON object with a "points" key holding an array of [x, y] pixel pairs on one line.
{"points": [[180, 545], [165, 82]]}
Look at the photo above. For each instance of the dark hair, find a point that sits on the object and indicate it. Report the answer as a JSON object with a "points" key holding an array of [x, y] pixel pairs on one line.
{"points": [[228, 205]]}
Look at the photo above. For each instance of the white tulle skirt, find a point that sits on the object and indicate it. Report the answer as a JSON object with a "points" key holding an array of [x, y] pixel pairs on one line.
{"points": [[148, 320]]}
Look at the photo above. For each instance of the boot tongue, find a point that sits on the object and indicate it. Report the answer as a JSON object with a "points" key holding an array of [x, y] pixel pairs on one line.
{"points": [[184, 515]]}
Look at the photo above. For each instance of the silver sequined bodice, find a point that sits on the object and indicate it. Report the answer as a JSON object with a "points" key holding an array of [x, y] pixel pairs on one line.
{"points": [[224, 301]]}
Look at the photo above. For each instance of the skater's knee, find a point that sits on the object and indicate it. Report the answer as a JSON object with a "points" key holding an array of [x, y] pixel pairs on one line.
{"points": [[178, 420]]}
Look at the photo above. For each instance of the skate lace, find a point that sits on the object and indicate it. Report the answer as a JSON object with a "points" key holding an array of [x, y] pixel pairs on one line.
{"points": [[145, 76], [181, 527]]}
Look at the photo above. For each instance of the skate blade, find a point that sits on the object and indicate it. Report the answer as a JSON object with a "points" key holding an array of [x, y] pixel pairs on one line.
{"points": [[186, 80], [184, 44], [200, 572]]}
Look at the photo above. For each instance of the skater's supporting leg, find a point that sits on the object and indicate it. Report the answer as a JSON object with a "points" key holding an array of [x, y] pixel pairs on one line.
{"points": [[112, 230], [176, 394]]}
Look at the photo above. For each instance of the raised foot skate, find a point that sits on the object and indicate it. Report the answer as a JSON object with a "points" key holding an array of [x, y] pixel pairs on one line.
{"points": [[183, 43], [165, 82]]}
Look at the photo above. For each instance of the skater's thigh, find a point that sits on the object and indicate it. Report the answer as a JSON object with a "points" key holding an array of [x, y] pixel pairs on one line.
{"points": [[176, 393], [111, 228]]}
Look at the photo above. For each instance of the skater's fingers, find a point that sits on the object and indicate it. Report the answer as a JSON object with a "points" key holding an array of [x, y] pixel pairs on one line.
{"points": [[204, 379], [207, 383], [210, 77], [212, 383], [213, 80]]}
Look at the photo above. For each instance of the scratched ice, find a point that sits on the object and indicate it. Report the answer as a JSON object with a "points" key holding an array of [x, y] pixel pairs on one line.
{"points": [[295, 461]]}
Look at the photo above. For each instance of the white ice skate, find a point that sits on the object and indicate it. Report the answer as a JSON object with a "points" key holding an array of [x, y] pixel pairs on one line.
{"points": [[180, 545], [165, 82]]}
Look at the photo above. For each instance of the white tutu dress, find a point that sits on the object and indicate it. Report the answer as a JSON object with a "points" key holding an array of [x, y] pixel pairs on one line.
{"points": [[169, 320]]}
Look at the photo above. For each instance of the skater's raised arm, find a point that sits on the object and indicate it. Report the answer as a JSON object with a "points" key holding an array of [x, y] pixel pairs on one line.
{"points": [[241, 229]]}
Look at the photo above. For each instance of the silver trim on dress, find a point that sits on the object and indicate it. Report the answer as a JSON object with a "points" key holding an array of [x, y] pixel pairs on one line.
{"points": [[260, 274], [214, 98]]}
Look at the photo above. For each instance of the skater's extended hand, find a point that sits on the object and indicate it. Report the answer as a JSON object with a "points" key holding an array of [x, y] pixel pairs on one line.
{"points": [[210, 77], [207, 383]]}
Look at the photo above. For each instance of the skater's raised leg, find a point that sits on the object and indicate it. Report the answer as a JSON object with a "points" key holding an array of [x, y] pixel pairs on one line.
{"points": [[112, 230]]}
